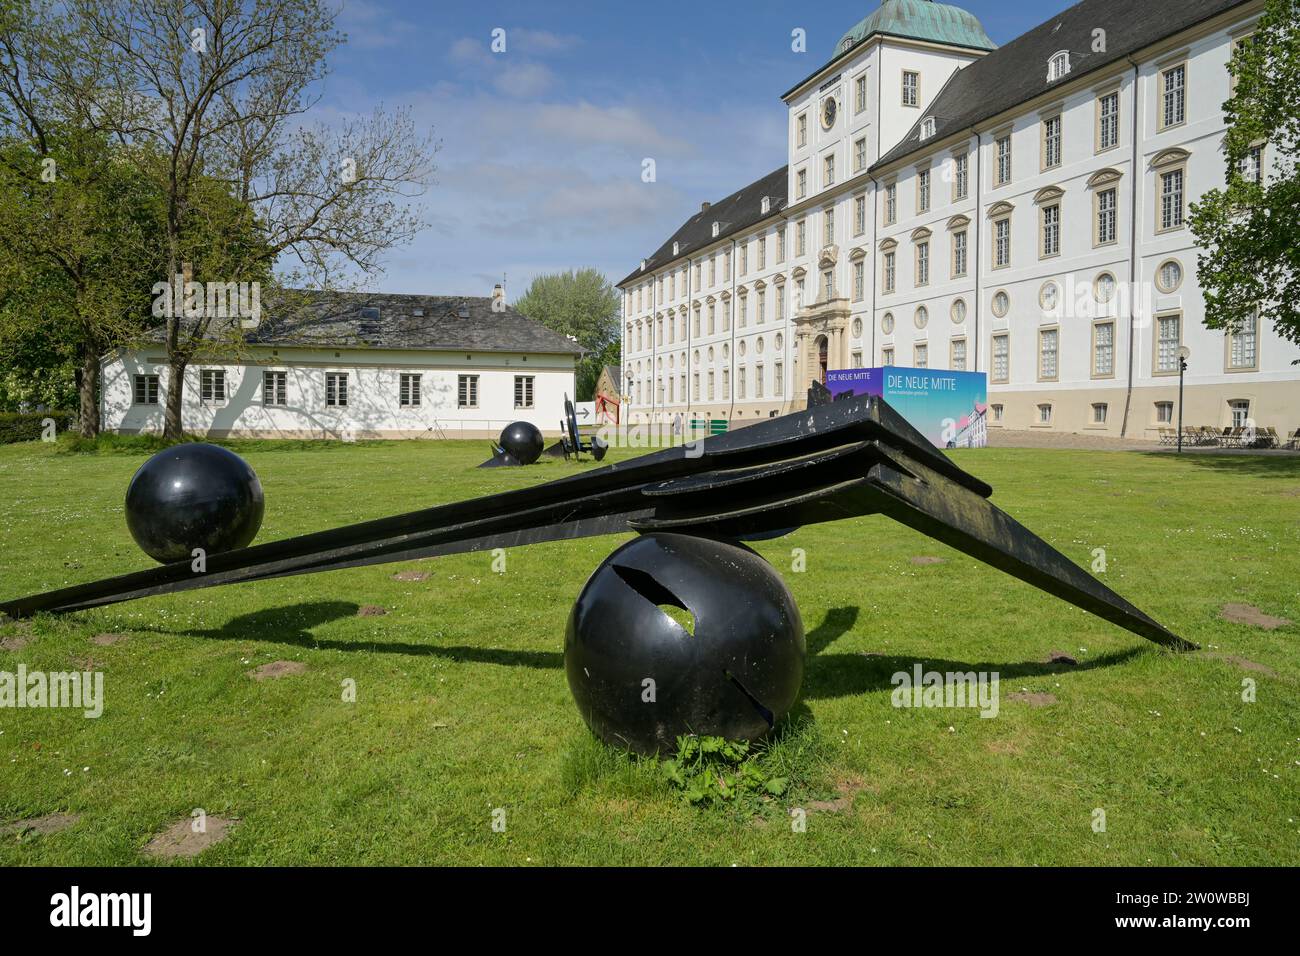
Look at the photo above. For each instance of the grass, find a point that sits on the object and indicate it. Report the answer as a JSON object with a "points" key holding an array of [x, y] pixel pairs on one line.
{"points": [[462, 706]]}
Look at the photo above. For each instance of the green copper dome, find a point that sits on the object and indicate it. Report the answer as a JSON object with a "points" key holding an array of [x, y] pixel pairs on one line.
{"points": [[920, 20]]}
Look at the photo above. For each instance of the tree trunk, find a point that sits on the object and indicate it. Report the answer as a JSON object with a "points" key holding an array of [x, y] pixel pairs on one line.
{"points": [[89, 392], [172, 430]]}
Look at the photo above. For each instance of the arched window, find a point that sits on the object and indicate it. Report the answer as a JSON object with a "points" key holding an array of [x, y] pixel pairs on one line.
{"points": [[1058, 66]]}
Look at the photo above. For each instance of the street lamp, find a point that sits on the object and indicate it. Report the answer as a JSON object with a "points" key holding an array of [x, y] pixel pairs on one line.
{"points": [[1184, 353]]}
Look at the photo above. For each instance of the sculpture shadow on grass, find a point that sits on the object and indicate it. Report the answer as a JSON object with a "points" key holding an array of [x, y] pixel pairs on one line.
{"points": [[294, 624], [844, 675]]}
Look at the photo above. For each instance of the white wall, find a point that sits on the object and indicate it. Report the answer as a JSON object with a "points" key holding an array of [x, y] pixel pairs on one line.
{"points": [[373, 409]]}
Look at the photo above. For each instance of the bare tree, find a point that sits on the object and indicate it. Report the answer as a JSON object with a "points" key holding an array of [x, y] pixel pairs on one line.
{"points": [[218, 90]]}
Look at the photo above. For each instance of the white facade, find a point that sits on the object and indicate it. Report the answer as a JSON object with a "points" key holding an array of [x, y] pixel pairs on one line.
{"points": [[312, 405], [1025, 310]]}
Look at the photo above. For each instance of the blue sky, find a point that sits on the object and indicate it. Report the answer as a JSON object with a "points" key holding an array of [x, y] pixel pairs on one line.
{"points": [[542, 145]]}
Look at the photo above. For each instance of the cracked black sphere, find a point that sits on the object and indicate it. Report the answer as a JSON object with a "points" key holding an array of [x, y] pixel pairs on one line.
{"points": [[193, 495], [523, 441], [675, 634]]}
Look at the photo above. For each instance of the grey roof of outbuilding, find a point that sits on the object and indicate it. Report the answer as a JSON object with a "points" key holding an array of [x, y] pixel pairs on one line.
{"points": [[739, 211], [1017, 72], [615, 375], [308, 318]]}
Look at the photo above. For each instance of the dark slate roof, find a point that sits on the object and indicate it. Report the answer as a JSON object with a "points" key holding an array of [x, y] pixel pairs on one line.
{"points": [[615, 374], [741, 210], [1017, 72], [309, 318]]}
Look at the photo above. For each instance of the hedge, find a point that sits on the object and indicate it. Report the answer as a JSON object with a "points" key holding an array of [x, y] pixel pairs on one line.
{"points": [[29, 426]]}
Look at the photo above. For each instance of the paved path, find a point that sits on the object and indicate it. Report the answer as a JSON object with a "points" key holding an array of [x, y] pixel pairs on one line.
{"points": [[1009, 438]]}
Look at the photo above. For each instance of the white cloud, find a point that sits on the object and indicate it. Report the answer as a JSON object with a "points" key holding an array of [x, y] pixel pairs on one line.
{"points": [[541, 42], [524, 79]]}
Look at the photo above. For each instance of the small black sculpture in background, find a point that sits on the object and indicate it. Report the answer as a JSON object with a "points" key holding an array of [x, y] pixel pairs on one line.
{"points": [[520, 443], [571, 442]]}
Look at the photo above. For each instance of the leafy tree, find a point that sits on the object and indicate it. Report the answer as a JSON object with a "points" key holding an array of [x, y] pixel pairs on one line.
{"points": [[214, 91], [584, 305], [1250, 231]]}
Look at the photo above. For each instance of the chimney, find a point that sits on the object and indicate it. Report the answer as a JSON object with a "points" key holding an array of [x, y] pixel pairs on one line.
{"points": [[704, 207], [463, 311], [498, 293]]}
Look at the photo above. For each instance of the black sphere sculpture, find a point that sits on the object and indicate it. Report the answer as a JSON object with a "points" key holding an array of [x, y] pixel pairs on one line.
{"points": [[522, 441], [193, 496], [641, 679]]}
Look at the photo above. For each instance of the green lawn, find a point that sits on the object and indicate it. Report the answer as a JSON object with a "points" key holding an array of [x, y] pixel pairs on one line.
{"points": [[462, 705]]}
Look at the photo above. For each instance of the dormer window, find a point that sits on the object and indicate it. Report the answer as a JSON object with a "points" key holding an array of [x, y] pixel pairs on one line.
{"points": [[927, 127], [643, 265], [1058, 66], [716, 227], [675, 248], [766, 205]]}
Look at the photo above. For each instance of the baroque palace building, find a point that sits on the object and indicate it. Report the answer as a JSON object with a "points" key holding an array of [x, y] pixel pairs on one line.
{"points": [[1020, 211]]}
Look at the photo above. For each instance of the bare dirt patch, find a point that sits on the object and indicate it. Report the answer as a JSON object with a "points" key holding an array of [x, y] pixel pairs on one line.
{"points": [[107, 640], [371, 610], [1033, 699], [180, 840], [1007, 747], [13, 643], [1059, 657], [1244, 664], [411, 576], [277, 669], [847, 788], [926, 559], [50, 823], [1251, 615]]}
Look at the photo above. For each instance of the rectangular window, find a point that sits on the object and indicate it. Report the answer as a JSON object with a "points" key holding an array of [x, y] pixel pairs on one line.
{"points": [[1240, 410], [1001, 357], [859, 280], [887, 356], [889, 272], [762, 252], [1173, 88], [741, 383], [1001, 243], [146, 390], [911, 83], [1243, 345], [891, 204], [923, 191], [1004, 160], [780, 244], [1047, 355], [212, 384], [408, 391], [695, 386], [275, 388], [1252, 166], [801, 130], [1168, 340], [1106, 203], [778, 378], [524, 391], [957, 356], [742, 312], [726, 383], [712, 318], [760, 307], [467, 391], [997, 412], [828, 170], [859, 215], [828, 285], [1044, 414], [860, 154], [1051, 230], [855, 360], [860, 93], [710, 395], [828, 226], [961, 176], [959, 254], [1171, 199], [922, 263], [1108, 121], [1164, 412], [744, 257], [801, 184], [800, 237], [921, 355], [1099, 410], [1051, 142], [1103, 349], [336, 389], [780, 303], [758, 380], [713, 270]]}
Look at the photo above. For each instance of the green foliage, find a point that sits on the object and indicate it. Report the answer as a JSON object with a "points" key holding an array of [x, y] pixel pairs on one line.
{"points": [[1249, 230], [711, 771], [30, 426], [584, 305]]}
